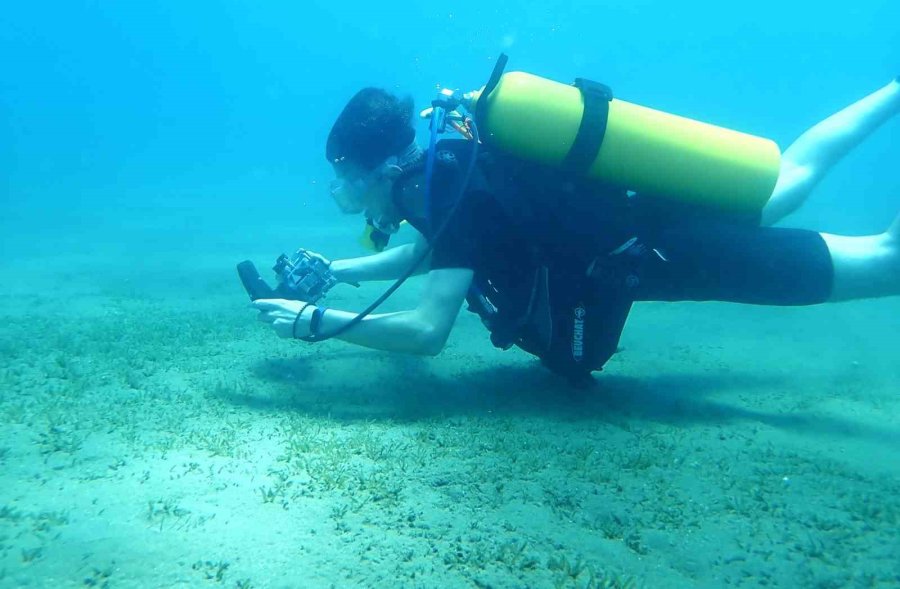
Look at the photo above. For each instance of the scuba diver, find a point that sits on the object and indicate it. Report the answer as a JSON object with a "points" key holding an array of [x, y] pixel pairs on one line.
{"points": [[553, 260]]}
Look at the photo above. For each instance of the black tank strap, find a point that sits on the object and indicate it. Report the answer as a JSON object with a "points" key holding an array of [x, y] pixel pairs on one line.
{"points": [[481, 106], [590, 135]]}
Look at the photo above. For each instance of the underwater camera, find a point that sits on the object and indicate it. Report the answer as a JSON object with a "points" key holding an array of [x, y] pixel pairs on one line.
{"points": [[300, 277]]}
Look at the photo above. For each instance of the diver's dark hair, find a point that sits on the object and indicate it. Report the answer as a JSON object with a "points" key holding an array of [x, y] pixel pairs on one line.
{"points": [[373, 126]]}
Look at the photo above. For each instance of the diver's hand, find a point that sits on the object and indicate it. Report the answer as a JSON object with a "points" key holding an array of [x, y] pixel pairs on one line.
{"points": [[289, 319], [337, 269], [316, 255]]}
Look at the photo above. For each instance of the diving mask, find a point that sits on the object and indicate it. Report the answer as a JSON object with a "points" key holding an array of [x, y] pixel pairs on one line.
{"points": [[349, 193]]}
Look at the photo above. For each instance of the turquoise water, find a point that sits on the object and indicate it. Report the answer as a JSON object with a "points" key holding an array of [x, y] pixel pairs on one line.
{"points": [[208, 107], [154, 435]]}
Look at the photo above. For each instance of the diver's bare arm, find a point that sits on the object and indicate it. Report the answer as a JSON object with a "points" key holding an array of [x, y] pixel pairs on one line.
{"points": [[423, 330], [387, 265]]}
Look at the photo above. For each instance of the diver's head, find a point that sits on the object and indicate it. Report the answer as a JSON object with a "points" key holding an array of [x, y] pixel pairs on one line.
{"points": [[369, 146]]}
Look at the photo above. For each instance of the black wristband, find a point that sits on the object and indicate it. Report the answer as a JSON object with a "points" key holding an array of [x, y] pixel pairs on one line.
{"points": [[297, 318], [316, 321]]}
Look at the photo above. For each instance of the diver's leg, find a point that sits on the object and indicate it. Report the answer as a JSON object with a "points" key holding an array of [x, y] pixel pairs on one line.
{"points": [[810, 157], [776, 266], [867, 266]]}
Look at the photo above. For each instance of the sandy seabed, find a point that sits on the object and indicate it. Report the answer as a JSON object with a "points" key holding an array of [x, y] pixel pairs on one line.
{"points": [[155, 435]]}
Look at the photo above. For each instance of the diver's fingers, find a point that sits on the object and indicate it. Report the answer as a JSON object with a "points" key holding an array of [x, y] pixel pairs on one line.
{"points": [[277, 314], [318, 256], [268, 304]]}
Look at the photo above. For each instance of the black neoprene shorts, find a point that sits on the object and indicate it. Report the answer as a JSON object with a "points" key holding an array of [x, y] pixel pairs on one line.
{"points": [[738, 263]]}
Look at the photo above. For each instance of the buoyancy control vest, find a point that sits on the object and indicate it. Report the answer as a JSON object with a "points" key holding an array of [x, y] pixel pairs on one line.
{"points": [[549, 302]]}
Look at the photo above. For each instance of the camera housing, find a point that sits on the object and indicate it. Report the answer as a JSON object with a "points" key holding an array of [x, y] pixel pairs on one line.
{"points": [[300, 277]]}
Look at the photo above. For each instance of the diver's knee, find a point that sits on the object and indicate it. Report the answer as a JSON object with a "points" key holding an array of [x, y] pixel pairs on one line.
{"points": [[794, 184]]}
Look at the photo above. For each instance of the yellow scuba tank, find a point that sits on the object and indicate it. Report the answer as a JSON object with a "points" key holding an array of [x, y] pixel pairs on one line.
{"points": [[583, 128]]}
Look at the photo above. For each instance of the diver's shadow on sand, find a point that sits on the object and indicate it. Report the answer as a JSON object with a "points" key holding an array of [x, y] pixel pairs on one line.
{"points": [[408, 390], [685, 399]]}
